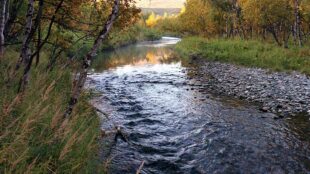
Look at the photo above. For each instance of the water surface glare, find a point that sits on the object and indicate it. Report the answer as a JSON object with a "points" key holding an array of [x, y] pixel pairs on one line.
{"points": [[175, 125]]}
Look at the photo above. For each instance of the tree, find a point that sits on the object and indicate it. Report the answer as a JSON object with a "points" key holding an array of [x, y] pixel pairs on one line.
{"points": [[297, 24], [25, 52], [228, 15], [198, 21], [29, 58], [151, 20], [305, 16], [79, 82], [3, 18], [274, 16]]}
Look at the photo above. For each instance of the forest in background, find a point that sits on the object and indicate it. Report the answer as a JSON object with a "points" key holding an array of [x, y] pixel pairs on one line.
{"points": [[258, 33], [281, 20]]}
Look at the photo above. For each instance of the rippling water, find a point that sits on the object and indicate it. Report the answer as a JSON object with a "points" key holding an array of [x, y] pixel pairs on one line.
{"points": [[175, 125]]}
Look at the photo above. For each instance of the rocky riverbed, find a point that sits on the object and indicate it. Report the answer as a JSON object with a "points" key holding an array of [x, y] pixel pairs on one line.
{"points": [[278, 92]]}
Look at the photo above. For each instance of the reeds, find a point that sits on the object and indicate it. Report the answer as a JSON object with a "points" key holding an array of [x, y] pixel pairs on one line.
{"points": [[34, 137]]}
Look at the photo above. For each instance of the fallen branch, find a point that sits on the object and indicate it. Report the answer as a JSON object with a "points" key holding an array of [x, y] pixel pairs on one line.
{"points": [[140, 168], [103, 113]]}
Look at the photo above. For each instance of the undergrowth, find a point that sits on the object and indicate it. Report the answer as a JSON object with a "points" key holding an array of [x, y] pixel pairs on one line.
{"points": [[34, 136]]}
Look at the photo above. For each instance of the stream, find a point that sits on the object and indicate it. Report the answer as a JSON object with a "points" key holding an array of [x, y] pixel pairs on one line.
{"points": [[175, 125]]}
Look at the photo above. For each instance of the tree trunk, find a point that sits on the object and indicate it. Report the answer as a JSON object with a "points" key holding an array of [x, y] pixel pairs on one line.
{"points": [[25, 52], [38, 45], [2, 25], [12, 17], [272, 30], [297, 28], [286, 39], [49, 30], [294, 33], [80, 80], [7, 11], [226, 27], [24, 79]]}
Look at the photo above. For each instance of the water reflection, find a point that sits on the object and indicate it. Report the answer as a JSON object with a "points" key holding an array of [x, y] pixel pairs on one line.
{"points": [[176, 126], [165, 41], [300, 125], [136, 55]]}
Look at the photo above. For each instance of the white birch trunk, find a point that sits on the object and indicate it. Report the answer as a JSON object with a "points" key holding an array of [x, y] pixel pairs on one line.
{"points": [[2, 24], [297, 27], [79, 82], [25, 52]]}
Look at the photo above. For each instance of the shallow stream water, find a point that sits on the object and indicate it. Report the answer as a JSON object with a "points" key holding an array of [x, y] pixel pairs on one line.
{"points": [[175, 125]]}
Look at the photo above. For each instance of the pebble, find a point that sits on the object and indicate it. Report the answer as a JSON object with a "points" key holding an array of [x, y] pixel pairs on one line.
{"points": [[278, 92]]}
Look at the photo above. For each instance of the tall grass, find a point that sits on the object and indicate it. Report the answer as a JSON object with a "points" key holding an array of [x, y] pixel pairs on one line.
{"points": [[34, 137], [250, 53]]}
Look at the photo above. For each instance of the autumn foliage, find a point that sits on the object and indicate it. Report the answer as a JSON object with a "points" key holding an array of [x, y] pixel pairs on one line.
{"points": [[280, 20]]}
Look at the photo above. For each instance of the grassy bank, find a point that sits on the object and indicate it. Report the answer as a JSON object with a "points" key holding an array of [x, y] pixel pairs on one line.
{"points": [[247, 53], [34, 137]]}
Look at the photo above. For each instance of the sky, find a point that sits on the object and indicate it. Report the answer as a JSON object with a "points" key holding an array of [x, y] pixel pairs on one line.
{"points": [[160, 3]]}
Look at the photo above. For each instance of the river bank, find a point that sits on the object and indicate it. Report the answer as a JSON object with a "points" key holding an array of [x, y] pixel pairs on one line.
{"points": [[249, 53], [278, 92], [173, 123]]}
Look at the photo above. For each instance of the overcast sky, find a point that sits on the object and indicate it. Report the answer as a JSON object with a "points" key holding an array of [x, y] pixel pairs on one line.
{"points": [[160, 3]]}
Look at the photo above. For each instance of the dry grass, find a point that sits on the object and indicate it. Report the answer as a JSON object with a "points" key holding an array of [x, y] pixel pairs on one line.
{"points": [[34, 137]]}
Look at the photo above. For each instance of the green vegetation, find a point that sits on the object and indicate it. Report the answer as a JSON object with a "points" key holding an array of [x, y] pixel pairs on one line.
{"points": [[33, 134], [118, 38], [134, 34], [48, 125], [247, 53], [49, 42], [264, 34]]}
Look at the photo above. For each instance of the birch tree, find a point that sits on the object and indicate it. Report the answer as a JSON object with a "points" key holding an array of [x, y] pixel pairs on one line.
{"points": [[24, 80], [297, 24], [25, 52], [2, 24], [80, 80]]}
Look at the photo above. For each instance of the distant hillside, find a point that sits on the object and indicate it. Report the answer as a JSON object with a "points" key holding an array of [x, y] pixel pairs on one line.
{"points": [[161, 11], [160, 3]]}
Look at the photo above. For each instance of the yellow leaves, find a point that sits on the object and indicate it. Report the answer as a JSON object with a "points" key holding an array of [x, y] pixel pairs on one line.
{"points": [[152, 20], [183, 10], [305, 7], [262, 12], [162, 21], [197, 21]]}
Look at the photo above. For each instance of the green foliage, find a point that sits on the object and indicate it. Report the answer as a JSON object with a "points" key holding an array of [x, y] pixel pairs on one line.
{"points": [[35, 138], [150, 34], [171, 26], [117, 38], [247, 53], [133, 34]]}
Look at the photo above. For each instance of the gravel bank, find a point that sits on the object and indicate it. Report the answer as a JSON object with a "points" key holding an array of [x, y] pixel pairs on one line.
{"points": [[278, 92]]}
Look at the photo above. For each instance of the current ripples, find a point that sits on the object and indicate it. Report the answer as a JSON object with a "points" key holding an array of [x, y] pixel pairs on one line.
{"points": [[175, 125]]}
